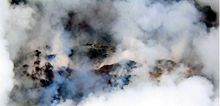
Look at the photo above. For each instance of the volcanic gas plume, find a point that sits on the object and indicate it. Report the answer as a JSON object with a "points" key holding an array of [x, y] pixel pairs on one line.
{"points": [[109, 53]]}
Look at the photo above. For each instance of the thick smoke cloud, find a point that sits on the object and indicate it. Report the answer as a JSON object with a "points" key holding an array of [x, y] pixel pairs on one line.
{"points": [[6, 73], [109, 52], [182, 94]]}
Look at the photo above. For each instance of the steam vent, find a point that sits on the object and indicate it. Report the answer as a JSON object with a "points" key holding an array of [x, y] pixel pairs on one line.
{"points": [[109, 52]]}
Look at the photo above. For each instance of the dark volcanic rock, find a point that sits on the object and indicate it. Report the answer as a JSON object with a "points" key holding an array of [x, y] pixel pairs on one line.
{"points": [[17, 2], [161, 67], [209, 16], [126, 64], [114, 78]]}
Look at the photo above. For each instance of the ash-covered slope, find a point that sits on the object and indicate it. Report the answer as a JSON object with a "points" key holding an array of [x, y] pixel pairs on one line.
{"points": [[39, 75]]}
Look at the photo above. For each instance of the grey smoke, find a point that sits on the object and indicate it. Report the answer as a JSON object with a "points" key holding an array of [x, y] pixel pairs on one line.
{"points": [[143, 31]]}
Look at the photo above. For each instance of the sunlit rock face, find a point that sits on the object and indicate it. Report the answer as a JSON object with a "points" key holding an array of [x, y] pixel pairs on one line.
{"points": [[112, 52]]}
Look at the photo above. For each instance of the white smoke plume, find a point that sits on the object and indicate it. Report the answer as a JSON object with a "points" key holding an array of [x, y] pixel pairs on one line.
{"points": [[109, 52], [183, 94], [6, 73]]}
